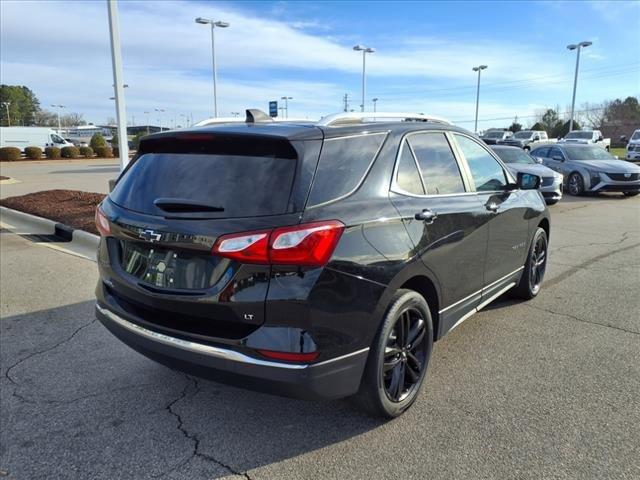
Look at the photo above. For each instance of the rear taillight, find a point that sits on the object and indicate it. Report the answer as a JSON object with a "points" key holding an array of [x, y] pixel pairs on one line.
{"points": [[102, 223], [310, 244], [248, 247]]}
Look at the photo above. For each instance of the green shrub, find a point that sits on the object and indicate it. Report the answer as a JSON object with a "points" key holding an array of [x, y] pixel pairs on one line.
{"points": [[52, 152], [97, 141], [104, 152], [10, 154], [70, 152], [33, 153], [116, 151], [86, 152]]}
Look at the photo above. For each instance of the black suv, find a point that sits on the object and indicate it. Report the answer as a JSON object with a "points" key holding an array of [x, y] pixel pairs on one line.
{"points": [[313, 260]]}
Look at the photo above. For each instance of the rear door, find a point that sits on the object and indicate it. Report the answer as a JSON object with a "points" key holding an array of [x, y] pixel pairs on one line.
{"points": [[505, 210], [448, 234]]}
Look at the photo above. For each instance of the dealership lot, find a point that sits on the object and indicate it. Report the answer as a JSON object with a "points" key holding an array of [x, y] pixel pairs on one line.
{"points": [[547, 388]]}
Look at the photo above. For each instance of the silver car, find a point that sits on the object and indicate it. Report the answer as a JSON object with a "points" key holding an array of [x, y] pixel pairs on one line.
{"points": [[590, 169], [518, 160]]}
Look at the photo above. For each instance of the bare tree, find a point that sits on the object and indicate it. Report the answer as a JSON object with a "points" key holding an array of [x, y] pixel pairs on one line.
{"points": [[72, 119], [45, 118], [593, 114]]}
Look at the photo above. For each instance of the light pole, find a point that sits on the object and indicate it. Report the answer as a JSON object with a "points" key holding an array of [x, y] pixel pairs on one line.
{"points": [[375, 100], [235, 114], [147, 114], [160, 112], [286, 105], [478, 69], [118, 83], [186, 119], [575, 78], [213, 23], [364, 50], [6, 105], [58, 111]]}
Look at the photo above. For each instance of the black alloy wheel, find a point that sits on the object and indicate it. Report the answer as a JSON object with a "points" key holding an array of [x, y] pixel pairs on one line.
{"points": [[399, 357], [534, 269], [404, 355]]}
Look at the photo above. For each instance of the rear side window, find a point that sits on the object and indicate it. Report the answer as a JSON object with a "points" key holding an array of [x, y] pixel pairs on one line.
{"points": [[437, 163], [408, 177], [342, 166], [218, 186], [486, 171]]}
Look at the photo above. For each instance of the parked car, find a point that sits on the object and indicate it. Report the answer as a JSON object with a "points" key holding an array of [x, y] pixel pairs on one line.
{"points": [[633, 147], [22, 137], [491, 137], [526, 139], [317, 261], [590, 169], [518, 160], [587, 137]]}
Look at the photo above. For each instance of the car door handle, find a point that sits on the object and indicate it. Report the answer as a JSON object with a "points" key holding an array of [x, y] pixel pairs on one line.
{"points": [[427, 216], [492, 206]]}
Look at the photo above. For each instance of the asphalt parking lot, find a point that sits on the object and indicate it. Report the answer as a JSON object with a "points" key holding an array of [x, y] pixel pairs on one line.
{"points": [[544, 389]]}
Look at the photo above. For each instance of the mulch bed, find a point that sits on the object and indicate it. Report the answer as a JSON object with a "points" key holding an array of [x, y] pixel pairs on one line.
{"points": [[70, 207], [2, 177]]}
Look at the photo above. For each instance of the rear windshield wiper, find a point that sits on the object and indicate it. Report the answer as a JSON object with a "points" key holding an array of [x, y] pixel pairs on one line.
{"points": [[185, 205]]}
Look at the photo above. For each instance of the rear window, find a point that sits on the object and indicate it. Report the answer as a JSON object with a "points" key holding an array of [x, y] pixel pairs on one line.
{"points": [[215, 186], [343, 163]]}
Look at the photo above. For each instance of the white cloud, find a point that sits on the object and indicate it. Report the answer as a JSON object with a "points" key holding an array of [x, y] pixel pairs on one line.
{"points": [[167, 60]]}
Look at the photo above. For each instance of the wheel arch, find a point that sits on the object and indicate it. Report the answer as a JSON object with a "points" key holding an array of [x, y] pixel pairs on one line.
{"points": [[546, 226], [426, 287]]}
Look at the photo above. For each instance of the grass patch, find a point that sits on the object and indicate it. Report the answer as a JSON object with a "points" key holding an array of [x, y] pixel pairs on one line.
{"points": [[618, 152]]}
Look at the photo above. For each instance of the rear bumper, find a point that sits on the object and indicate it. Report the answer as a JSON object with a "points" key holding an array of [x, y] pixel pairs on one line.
{"points": [[329, 379]]}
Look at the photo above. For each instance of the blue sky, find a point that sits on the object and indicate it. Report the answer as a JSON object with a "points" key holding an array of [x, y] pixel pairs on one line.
{"points": [[423, 60]]}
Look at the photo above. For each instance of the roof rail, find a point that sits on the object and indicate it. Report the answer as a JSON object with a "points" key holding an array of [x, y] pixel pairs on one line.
{"points": [[346, 118]]}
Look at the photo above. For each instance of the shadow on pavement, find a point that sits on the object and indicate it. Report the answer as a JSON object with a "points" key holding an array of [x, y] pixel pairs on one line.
{"points": [[88, 170]]}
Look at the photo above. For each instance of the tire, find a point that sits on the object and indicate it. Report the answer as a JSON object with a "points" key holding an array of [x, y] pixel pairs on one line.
{"points": [[533, 273], [389, 394], [552, 202], [575, 184], [630, 194]]}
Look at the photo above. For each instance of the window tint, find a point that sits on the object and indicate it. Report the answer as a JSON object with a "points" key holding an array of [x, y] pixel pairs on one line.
{"points": [[437, 164], [241, 186], [408, 178], [487, 173], [542, 152], [342, 165]]}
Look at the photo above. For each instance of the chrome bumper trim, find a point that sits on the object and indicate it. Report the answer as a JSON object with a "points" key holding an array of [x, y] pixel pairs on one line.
{"points": [[216, 352]]}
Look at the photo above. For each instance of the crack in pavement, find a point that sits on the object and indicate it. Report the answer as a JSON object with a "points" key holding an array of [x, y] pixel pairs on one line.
{"points": [[573, 317], [40, 352], [196, 441], [566, 274], [624, 237]]}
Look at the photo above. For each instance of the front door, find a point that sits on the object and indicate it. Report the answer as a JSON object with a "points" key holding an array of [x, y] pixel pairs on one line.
{"points": [[505, 210]]}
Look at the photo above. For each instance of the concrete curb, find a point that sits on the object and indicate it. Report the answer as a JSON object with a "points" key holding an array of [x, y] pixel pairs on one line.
{"points": [[78, 242]]}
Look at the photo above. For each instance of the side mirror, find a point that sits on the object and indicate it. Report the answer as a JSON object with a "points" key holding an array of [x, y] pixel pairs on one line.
{"points": [[600, 138], [558, 158], [528, 181], [623, 138], [536, 138], [538, 160]]}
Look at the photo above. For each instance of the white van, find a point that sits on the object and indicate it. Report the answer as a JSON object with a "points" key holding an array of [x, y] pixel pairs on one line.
{"points": [[22, 137]]}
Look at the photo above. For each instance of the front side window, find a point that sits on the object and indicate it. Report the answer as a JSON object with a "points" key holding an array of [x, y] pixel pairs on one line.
{"points": [[486, 171], [56, 138], [524, 134], [408, 176], [437, 163], [556, 153], [541, 152], [514, 155]]}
